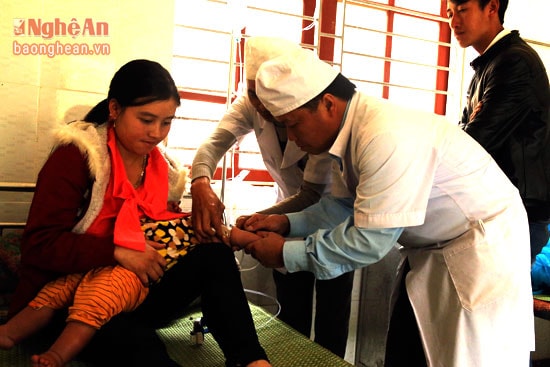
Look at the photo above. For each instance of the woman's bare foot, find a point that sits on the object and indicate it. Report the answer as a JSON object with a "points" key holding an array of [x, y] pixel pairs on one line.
{"points": [[49, 358], [260, 363], [6, 342]]}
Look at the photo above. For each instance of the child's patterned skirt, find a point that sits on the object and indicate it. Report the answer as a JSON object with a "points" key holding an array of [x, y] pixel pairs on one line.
{"points": [[177, 235]]}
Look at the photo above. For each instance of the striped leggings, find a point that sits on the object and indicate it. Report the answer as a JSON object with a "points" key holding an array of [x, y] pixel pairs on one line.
{"points": [[93, 298]]}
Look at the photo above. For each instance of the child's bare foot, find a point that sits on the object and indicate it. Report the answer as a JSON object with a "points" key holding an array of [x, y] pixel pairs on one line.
{"points": [[5, 341], [260, 363], [49, 358]]}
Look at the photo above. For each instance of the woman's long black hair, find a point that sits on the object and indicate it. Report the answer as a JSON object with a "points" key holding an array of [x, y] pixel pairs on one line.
{"points": [[136, 83]]}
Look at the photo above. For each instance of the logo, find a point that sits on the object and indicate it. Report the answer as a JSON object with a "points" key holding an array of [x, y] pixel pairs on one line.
{"points": [[58, 28], [18, 26], [35, 36]]}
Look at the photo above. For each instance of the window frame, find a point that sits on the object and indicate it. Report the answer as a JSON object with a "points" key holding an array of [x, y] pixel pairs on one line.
{"points": [[329, 18]]}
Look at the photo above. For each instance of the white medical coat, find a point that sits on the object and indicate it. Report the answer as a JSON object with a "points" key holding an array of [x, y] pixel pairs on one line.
{"points": [[465, 230], [242, 118]]}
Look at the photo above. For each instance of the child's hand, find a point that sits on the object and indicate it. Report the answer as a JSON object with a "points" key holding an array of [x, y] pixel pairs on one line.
{"points": [[239, 238], [174, 206]]}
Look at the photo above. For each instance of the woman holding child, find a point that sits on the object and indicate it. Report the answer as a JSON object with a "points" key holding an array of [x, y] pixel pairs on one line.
{"points": [[103, 177]]}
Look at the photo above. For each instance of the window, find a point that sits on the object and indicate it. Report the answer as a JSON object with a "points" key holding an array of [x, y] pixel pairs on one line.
{"points": [[399, 52], [394, 49]]}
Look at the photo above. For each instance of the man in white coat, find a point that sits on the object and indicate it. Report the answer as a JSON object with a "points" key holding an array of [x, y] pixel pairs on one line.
{"points": [[412, 177], [301, 180]]}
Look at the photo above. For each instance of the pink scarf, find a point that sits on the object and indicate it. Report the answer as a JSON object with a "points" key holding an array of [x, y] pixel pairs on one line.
{"points": [[123, 206]]}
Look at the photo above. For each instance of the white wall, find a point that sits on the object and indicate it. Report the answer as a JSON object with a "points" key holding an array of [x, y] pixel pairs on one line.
{"points": [[530, 17], [38, 91]]}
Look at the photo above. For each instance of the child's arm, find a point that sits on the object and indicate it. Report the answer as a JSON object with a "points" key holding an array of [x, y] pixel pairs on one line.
{"points": [[239, 238], [174, 206]]}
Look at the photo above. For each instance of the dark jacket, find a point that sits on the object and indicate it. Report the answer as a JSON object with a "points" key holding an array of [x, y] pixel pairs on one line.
{"points": [[513, 124]]}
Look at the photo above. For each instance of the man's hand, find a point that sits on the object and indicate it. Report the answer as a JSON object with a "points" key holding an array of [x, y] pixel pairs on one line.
{"points": [[242, 220], [268, 250], [277, 223], [207, 210]]}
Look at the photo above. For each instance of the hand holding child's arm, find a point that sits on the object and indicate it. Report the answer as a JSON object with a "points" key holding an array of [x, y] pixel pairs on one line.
{"points": [[240, 238]]}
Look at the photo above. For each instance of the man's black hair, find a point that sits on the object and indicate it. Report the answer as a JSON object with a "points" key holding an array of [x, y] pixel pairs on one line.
{"points": [[483, 3]]}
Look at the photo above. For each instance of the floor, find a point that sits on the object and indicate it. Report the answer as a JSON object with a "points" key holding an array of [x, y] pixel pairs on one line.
{"points": [[258, 283]]}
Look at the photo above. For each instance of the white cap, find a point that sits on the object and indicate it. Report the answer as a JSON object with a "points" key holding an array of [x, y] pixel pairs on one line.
{"points": [[289, 81], [260, 48]]}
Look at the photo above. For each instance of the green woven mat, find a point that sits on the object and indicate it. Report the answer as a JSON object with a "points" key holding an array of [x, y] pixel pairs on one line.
{"points": [[542, 297], [285, 346]]}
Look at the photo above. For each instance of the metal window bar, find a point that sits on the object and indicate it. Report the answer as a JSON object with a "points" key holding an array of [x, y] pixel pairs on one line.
{"points": [[233, 64], [339, 35]]}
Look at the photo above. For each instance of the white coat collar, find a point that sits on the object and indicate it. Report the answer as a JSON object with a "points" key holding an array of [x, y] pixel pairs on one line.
{"points": [[340, 145]]}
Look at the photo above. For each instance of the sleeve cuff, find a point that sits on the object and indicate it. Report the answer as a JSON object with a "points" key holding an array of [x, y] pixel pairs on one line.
{"points": [[200, 171], [297, 222], [295, 256]]}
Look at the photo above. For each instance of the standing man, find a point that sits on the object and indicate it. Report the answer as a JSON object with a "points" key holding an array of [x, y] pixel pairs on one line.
{"points": [[411, 176], [508, 106], [301, 180]]}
